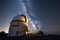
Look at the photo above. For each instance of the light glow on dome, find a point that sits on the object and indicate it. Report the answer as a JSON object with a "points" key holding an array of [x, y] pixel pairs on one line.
{"points": [[22, 18]]}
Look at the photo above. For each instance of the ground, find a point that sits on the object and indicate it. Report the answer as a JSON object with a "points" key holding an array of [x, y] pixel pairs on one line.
{"points": [[44, 37]]}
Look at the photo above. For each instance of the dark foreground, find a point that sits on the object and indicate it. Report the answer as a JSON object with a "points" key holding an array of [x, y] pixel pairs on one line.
{"points": [[45, 37]]}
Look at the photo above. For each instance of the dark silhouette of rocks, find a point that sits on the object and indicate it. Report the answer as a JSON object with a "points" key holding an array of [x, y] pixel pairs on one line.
{"points": [[40, 33], [2, 33]]}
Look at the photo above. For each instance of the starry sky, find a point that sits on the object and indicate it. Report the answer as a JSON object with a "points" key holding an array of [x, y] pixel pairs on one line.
{"points": [[47, 12]]}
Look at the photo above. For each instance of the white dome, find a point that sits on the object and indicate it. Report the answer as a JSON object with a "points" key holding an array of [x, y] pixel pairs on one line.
{"points": [[20, 17]]}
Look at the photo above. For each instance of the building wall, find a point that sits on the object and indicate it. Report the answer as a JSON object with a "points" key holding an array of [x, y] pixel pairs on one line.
{"points": [[18, 28]]}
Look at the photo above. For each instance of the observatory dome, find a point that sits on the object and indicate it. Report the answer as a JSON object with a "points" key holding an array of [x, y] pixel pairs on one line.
{"points": [[20, 17], [18, 26]]}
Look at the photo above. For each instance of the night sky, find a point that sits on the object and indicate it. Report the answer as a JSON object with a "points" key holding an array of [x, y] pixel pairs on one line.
{"points": [[47, 12]]}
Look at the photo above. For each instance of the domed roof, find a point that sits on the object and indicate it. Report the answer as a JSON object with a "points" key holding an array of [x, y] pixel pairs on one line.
{"points": [[20, 17]]}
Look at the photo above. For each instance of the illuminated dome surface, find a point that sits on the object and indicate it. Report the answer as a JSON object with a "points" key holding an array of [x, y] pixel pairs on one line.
{"points": [[20, 17], [23, 19]]}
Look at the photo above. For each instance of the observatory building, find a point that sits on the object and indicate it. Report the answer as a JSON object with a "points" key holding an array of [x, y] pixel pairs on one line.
{"points": [[18, 26]]}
